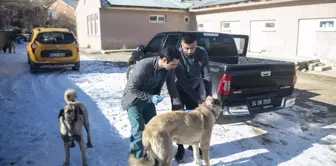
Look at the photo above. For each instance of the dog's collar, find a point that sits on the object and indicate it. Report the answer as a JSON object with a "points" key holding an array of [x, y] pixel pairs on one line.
{"points": [[211, 109]]}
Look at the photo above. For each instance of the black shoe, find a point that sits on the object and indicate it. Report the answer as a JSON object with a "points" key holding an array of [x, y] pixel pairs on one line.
{"points": [[200, 151], [180, 153]]}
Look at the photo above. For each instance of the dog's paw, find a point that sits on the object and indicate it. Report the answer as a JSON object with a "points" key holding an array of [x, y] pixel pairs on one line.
{"points": [[66, 164], [89, 145], [197, 162]]}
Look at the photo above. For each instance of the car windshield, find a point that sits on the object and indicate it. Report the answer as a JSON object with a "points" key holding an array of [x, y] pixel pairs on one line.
{"points": [[55, 38]]}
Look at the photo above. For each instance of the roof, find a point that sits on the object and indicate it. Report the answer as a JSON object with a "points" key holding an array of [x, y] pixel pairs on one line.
{"points": [[71, 3], [206, 3], [172, 4], [43, 29]]}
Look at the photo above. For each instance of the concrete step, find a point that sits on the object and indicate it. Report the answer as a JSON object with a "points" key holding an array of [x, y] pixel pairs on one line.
{"points": [[322, 68], [307, 64], [311, 66]]}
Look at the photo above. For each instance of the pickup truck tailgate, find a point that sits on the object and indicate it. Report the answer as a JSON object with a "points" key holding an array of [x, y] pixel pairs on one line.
{"points": [[260, 79]]}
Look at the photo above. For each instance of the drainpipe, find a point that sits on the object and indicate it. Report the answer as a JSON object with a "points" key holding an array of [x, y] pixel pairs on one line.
{"points": [[241, 5]]}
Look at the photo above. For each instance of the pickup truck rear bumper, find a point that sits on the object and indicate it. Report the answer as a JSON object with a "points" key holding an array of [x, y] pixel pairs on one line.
{"points": [[243, 109]]}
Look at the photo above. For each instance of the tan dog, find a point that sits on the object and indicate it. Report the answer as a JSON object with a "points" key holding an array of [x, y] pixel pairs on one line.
{"points": [[190, 128], [72, 118]]}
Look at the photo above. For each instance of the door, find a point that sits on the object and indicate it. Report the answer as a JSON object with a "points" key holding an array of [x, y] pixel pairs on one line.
{"points": [[307, 38], [257, 36]]}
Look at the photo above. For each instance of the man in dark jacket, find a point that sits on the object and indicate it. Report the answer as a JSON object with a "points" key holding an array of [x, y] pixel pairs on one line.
{"points": [[193, 78], [142, 92]]}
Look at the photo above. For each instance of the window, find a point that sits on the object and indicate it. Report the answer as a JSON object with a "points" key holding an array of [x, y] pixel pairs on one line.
{"points": [[186, 19], [200, 27], [154, 45], [327, 25], [88, 25], [96, 24], [225, 25], [217, 44], [157, 18], [55, 38], [269, 26], [172, 40]]}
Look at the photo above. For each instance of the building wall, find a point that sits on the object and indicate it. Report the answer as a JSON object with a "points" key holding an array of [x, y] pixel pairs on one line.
{"points": [[130, 28], [84, 9], [284, 40]]}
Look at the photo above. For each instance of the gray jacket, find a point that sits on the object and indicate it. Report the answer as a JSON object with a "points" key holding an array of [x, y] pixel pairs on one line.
{"points": [[137, 87]]}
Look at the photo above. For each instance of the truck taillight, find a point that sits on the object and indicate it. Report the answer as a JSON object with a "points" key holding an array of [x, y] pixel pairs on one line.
{"points": [[224, 87], [33, 46]]}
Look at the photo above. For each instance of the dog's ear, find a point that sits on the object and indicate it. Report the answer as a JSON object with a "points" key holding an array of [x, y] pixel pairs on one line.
{"points": [[61, 113]]}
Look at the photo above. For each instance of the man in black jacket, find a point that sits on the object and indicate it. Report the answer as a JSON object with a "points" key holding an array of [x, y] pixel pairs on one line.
{"points": [[193, 78], [142, 92]]}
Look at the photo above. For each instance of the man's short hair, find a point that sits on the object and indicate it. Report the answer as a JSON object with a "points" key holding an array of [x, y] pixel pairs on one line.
{"points": [[188, 37], [170, 53]]}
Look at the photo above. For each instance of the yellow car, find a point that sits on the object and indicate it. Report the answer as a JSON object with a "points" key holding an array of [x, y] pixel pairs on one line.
{"points": [[52, 48]]}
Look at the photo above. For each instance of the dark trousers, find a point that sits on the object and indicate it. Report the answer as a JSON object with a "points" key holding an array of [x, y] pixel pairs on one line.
{"points": [[189, 104], [139, 115], [187, 101]]}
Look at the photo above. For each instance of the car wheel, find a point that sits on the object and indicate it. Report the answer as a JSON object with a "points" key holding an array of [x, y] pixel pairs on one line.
{"points": [[75, 68], [32, 69]]}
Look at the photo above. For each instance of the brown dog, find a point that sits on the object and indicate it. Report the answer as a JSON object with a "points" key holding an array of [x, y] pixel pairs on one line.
{"points": [[72, 118], [190, 128]]}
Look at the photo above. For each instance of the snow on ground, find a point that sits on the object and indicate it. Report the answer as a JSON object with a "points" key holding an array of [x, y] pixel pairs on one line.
{"points": [[30, 129]]}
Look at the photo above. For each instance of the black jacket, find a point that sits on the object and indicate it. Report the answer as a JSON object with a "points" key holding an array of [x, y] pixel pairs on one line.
{"points": [[193, 71]]}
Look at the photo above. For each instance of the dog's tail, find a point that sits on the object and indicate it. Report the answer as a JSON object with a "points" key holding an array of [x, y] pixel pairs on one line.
{"points": [[147, 160], [70, 96]]}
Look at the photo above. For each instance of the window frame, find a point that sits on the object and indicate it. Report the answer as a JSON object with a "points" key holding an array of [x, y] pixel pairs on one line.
{"points": [[186, 17], [173, 34], [160, 46], [157, 19]]}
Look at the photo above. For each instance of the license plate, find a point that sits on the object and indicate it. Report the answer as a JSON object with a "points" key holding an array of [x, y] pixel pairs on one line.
{"points": [[261, 102], [57, 54]]}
